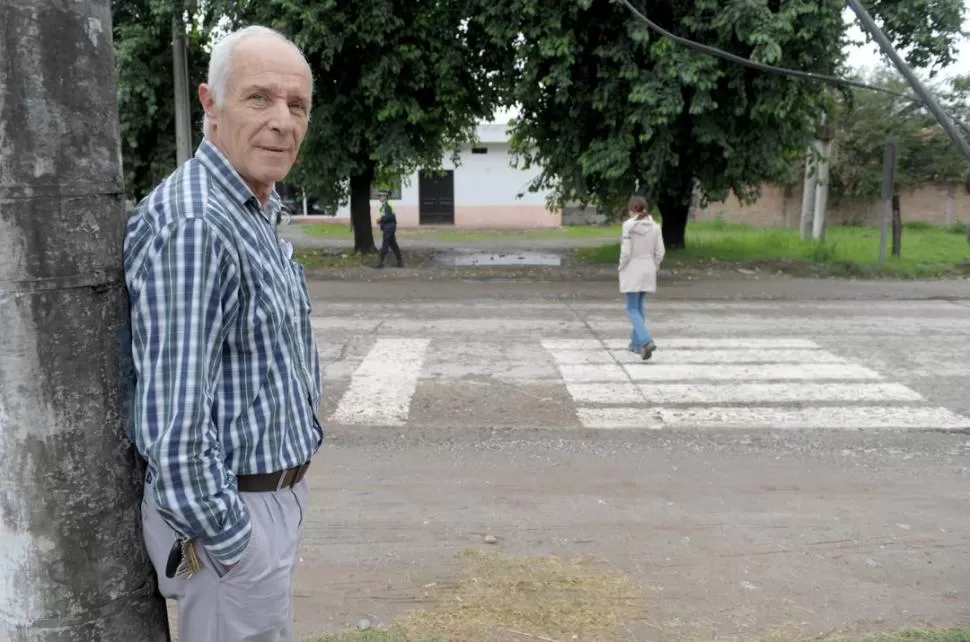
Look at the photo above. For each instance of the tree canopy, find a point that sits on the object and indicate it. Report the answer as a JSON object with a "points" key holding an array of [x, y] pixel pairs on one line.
{"points": [[608, 108], [864, 121], [142, 32], [398, 84]]}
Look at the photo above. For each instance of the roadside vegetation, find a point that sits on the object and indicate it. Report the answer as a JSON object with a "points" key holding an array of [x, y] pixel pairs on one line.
{"points": [[927, 251], [341, 231]]}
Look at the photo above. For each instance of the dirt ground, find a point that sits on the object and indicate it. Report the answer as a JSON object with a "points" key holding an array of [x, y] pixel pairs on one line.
{"points": [[739, 534], [725, 536], [729, 534]]}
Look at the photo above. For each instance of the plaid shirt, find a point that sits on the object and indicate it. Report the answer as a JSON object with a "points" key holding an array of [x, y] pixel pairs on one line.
{"points": [[227, 370]]}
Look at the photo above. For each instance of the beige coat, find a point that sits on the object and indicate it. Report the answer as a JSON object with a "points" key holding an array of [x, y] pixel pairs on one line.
{"points": [[641, 252]]}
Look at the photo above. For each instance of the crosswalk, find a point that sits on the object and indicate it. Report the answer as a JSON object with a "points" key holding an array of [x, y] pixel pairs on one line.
{"points": [[383, 385], [727, 384], [690, 383]]}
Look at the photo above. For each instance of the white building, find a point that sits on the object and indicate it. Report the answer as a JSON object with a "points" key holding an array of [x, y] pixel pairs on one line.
{"points": [[483, 191]]}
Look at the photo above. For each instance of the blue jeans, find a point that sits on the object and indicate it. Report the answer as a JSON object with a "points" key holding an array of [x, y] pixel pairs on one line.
{"points": [[634, 310]]}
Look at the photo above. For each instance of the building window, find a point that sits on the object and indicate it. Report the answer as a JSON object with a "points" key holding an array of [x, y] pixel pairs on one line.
{"points": [[479, 150]]}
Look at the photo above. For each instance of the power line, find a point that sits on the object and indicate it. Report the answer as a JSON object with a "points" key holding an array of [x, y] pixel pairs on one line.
{"points": [[784, 71]]}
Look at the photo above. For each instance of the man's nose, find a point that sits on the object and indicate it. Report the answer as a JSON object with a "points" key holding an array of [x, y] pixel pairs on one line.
{"points": [[281, 118]]}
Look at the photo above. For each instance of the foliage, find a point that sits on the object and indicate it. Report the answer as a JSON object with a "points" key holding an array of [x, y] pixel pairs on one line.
{"points": [[927, 31], [928, 252], [397, 86], [865, 121], [143, 57], [609, 108]]}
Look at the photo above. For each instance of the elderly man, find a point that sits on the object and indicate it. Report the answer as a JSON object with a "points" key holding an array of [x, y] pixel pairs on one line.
{"points": [[228, 377]]}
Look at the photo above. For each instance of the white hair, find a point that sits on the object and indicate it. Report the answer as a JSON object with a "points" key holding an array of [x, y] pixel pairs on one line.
{"points": [[220, 62]]}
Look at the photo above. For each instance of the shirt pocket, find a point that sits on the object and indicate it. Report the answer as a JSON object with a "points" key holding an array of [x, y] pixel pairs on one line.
{"points": [[303, 304]]}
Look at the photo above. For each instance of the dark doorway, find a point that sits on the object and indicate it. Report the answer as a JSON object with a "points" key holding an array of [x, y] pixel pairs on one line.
{"points": [[436, 198]]}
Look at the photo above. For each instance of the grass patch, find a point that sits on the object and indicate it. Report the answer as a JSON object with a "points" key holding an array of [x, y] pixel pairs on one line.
{"points": [[322, 259], [339, 231], [327, 230], [499, 598], [926, 252]]}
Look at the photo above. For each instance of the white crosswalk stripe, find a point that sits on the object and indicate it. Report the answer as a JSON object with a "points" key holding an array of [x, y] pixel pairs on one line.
{"points": [[614, 388], [381, 388], [762, 371], [847, 417]]}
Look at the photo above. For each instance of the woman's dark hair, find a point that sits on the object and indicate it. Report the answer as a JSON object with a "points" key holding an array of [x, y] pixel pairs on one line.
{"points": [[639, 205]]}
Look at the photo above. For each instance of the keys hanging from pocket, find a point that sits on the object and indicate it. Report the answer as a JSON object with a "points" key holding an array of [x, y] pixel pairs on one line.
{"points": [[183, 559]]}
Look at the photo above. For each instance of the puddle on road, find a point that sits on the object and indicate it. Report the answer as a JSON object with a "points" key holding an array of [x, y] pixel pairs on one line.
{"points": [[500, 259]]}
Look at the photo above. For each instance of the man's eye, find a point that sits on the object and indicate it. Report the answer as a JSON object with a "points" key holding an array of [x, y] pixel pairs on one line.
{"points": [[299, 108], [258, 98]]}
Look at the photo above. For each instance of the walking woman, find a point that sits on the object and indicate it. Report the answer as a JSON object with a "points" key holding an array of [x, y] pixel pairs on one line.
{"points": [[641, 252]]}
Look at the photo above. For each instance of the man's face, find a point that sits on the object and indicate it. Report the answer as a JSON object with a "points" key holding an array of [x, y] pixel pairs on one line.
{"points": [[264, 118]]}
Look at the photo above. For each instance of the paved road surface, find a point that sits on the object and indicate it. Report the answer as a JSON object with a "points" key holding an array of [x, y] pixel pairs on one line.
{"points": [[797, 465], [778, 464]]}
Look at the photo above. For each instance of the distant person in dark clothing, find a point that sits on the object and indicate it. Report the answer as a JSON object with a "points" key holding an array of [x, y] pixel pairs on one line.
{"points": [[388, 224]]}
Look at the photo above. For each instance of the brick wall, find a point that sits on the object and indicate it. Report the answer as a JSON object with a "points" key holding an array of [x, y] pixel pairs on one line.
{"points": [[782, 207]]}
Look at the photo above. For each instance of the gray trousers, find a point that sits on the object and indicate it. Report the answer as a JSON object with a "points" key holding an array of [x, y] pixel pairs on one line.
{"points": [[253, 602]]}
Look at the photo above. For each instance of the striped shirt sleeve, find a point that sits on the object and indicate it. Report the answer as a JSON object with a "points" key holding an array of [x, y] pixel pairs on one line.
{"points": [[187, 290]]}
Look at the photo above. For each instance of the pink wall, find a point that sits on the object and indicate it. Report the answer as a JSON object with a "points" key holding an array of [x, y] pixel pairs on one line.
{"points": [[506, 216], [407, 215]]}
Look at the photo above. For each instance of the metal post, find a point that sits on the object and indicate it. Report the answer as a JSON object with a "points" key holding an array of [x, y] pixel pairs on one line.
{"points": [[180, 78], [897, 225], [73, 566], [888, 183]]}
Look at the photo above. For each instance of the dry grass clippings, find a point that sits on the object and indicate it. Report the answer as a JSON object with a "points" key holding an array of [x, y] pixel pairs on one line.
{"points": [[502, 598]]}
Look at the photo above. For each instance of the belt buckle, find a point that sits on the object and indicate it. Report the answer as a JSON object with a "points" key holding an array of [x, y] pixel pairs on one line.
{"points": [[297, 471], [282, 480]]}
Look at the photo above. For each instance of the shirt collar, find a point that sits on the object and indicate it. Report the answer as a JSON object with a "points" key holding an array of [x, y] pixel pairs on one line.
{"points": [[227, 176]]}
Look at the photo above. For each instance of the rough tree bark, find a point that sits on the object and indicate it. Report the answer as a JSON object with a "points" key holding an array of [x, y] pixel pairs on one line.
{"points": [[73, 565], [360, 214], [674, 204]]}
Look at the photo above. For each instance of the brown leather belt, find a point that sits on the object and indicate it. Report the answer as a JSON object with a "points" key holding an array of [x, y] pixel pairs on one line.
{"points": [[271, 482]]}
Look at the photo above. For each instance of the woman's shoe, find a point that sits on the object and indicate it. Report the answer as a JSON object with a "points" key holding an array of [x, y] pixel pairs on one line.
{"points": [[648, 350]]}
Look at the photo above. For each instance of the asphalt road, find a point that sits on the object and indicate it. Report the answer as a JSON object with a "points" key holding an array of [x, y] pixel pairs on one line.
{"points": [[794, 457]]}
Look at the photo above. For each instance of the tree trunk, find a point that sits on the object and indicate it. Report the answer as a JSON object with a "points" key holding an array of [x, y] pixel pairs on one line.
{"points": [[360, 214], [72, 556], [674, 204]]}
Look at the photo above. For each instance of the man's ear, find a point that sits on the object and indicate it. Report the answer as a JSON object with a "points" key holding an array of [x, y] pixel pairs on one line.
{"points": [[208, 102]]}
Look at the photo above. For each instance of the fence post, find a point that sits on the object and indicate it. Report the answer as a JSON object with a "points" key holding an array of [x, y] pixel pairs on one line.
{"points": [[888, 184]]}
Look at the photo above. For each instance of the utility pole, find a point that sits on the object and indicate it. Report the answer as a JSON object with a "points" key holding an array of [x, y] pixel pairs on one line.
{"points": [[180, 78], [73, 566], [824, 148], [809, 187]]}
